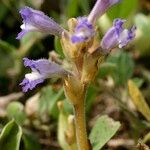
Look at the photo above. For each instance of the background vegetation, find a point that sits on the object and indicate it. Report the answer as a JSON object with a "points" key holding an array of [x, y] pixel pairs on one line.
{"points": [[121, 89]]}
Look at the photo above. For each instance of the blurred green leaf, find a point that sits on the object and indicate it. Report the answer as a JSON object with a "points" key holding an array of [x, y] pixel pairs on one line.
{"points": [[138, 81], [72, 8], [16, 110], [30, 142], [138, 99], [10, 136], [123, 9], [7, 47], [3, 11], [62, 126], [124, 64], [48, 100], [84, 4], [106, 69], [103, 131], [7, 58], [143, 22], [143, 33], [68, 106], [58, 47], [90, 98], [29, 40]]}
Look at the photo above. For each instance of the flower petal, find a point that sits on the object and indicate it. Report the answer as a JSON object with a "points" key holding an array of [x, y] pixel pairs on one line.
{"points": [[29, 85], [126, 36]]}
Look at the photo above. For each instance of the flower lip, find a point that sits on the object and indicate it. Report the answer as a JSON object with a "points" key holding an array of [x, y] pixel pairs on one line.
{"points": [[29, 84]]}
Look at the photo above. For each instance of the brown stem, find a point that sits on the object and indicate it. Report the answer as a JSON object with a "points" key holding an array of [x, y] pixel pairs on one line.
{"points": [[82, 140]]}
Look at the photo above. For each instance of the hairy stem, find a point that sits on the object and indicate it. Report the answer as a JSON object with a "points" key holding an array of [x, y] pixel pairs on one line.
{"points": [[81, 133]]}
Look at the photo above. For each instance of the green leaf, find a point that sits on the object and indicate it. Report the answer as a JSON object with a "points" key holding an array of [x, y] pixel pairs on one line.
{"points": [[123, 9], [7, 58], [84, 6], [107, 68], [16, 110], [48, 100], [28, 41], [142, 23], [138, 99], [3, 12], [68, 106], [90, 98], [138, 81], [30, 142], [10, 136], [125, 67], [58, 47], [62, 127], [103, 131], [72, 8], [7, 47]]}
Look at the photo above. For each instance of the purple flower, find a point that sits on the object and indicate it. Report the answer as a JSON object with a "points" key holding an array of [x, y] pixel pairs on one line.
{"points": [[117, 35], [84, 31], [34, 20], [41, 70], [100, 8]]}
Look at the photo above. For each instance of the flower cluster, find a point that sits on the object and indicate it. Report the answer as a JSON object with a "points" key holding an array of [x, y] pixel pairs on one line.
{"points": [[80, 43]]}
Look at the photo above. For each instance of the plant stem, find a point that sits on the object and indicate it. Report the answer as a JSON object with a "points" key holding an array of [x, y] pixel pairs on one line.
{"points": [[81, 133]]}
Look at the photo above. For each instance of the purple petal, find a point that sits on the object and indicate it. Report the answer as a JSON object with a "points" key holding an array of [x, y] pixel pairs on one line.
{"points": [[100, 8], [126, 36], [109, 40], [45, 67], [34, 20], [29, 85], [78, 39], [28, 63], [131, 33], [118, 23], [83, 32]]}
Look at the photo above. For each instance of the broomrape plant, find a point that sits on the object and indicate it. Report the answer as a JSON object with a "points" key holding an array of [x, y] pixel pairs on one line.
{"points": [[82, 48]]}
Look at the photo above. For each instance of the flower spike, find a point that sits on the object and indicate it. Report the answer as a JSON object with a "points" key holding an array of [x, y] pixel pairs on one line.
{"points": [[34, 20], [117, 35], [41, 70], [100, 8]]}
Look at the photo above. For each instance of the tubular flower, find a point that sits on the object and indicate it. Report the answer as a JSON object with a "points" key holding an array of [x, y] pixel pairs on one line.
{"points": [[34, 20], [117, 35], [100, 8], [41, 70]]}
